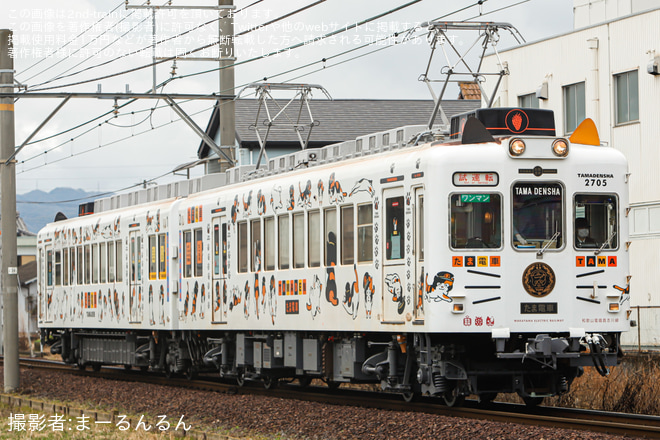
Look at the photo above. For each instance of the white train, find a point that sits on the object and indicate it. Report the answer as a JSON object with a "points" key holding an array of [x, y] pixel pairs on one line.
{"points": [[492, 261]]}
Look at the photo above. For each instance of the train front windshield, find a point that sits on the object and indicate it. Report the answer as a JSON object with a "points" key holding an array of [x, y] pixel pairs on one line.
{"points": [[537, 215]]}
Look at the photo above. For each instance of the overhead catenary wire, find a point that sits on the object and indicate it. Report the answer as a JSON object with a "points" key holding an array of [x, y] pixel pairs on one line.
{"points": [[292, 79], [69, 42], [143, 49]]}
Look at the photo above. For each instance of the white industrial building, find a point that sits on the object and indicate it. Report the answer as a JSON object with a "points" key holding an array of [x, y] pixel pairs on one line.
{"points": [[606, 69]]}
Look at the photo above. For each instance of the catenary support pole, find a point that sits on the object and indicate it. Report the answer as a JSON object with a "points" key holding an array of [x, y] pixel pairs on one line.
{"points": [[226, 108], [8, 214]]}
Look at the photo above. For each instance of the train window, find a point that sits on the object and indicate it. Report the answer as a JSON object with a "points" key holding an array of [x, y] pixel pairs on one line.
{"points": [[153, 257], [199, 253], [395, 234], [255, 247], [347, 235], [420, 228], [104, 262], [216, 249], [120, 266], [111, 262], [132, 259], [80, 265], [162, 247], [65, 267], [72, 265], [330, 224], [283, 241], [298, 240], [537, 215], [365, 230], [139, 258], [596, 221], [242, 247], [88, 264], [269, 243], [476, 221], [187, 246], [58, 268], [95, 263], [314, 238], [49, 267]]}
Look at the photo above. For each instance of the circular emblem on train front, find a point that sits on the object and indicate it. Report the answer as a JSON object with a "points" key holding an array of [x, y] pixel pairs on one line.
{"points": [[538, 279], [516, 121]]}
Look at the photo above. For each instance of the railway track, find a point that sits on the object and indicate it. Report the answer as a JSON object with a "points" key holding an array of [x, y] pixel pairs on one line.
{"points": [[566, 418]]}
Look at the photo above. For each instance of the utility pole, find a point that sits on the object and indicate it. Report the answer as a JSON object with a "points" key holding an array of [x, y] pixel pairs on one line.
{"points": [[8, 213], [226, 108]]}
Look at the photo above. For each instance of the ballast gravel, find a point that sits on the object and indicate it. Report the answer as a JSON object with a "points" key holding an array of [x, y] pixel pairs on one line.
{"points": [[262, 417]]}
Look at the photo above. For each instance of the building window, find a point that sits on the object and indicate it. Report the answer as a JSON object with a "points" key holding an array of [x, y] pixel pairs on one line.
{"points": [[574, 106], [528, 101], [626, 97]]}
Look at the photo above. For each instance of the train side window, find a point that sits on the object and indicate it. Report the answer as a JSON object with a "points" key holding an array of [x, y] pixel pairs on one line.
{"points": [[347, 235], [476, 220], [153, 257], [255, 247], [95, 263], [139, 258], [243, 247], [162, 253], [58, 268], [88, 265], [120, 265], [269, 243], [314, 238], [537, 216], [104, 262], [595, 221], [365, 230], [65, 267], [330, 225], [298, 240], [80, 265], [111, 262], [187, 246], [49, 267], [216, 249], [394, 228], [199, 253], [420, 228], [283, 241]]}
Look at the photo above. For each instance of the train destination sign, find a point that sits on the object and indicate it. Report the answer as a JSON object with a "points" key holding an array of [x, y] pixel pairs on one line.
{"points": [[475, 198], [537, 190], [475, 179]]}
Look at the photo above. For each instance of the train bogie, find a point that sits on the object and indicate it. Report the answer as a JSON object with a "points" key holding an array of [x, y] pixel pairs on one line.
{"points": [[444, 268]]}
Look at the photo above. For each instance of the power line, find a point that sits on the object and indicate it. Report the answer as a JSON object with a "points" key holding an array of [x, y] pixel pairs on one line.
{"points": [[70, 41]]}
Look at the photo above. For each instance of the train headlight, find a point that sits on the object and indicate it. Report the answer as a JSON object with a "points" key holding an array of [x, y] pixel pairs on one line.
{"points": [[516, 147], [560, 148], [458, 308], [614, 307]]}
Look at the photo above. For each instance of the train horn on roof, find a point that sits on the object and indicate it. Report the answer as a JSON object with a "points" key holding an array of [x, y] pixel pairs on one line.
{"points": [[475, 132]]}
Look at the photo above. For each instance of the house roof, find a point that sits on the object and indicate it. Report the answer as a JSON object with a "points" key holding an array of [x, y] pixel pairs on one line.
{"points": [[27, 273], [339, 120], [469, 90]]}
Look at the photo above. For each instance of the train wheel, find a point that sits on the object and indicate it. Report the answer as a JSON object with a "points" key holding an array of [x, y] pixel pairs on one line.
{"points": [[191, 374], [409, 396], [240, 378], [128, 367], [168, 371], [96, 367], [532, 401], [81, 366], [452, 398], [270, 382]]}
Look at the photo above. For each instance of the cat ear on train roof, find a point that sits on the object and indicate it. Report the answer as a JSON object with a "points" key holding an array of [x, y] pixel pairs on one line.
{"points": [[586, 133], [474, 132]]}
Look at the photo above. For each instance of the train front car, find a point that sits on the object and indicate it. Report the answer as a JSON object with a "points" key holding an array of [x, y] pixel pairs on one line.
{"points": [[526, 282]]}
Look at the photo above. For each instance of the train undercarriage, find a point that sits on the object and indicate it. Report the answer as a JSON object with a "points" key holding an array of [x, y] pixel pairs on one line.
{"points": [[449, 366]]}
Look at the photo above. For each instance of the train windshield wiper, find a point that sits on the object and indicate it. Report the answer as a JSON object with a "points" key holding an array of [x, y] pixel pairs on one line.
{"points": [[552, 240], [607, 243]]}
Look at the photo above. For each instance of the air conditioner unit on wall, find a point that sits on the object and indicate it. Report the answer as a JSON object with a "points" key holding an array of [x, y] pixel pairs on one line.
{"points": [[654, 66]]}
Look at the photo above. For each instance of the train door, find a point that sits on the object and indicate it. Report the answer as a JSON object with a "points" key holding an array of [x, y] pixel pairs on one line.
{"points": [[135, 277], [394, 270], [418, 247], [47, 283], [219, 258]]}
